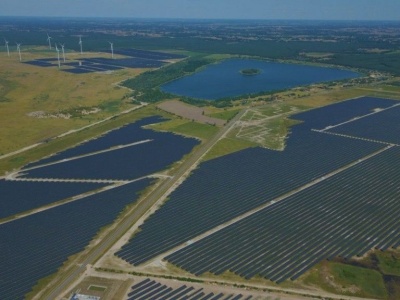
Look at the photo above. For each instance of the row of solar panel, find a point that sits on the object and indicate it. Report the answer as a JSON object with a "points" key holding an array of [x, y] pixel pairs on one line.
{"points": [[234, 184], [346, 215], [229, 186], [152, 290], [36, 246]]}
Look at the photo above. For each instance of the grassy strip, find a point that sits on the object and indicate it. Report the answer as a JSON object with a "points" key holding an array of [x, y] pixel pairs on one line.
{"points": [[225, 114], [227, 146]]}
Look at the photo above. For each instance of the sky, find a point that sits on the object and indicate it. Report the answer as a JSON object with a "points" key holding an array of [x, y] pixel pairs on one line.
{"points": [[208, 9]]}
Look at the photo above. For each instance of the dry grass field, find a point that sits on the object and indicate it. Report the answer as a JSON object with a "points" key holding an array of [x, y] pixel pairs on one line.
{"points": [[189, 112], [37, 103]]}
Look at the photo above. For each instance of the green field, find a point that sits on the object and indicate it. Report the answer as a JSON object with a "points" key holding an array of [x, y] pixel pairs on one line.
{"points": [[187, 128], [347, 280], [376, 275], [389, 262]]}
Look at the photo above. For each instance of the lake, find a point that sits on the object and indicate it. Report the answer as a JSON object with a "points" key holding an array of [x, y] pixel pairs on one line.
{"points": [[225, 80]]}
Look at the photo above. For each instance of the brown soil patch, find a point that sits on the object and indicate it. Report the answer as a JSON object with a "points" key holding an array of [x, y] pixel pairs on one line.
{"points": [[189, 112]]}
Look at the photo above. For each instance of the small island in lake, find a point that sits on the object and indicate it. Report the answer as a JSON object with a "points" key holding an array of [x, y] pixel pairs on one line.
{"points": [[250, 72]]}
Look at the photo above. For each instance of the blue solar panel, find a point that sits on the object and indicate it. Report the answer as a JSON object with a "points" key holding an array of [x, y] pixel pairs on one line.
{"points": [[234, 184], [158, 152], [39, 63], [127, 62], [148, 54], [382, 126], [152, 290], [36, 246], [17, 196], [129, 133], [347, 215]]}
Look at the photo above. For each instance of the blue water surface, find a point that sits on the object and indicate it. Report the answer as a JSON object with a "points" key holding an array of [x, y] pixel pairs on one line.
{"points": [[224, 79]]}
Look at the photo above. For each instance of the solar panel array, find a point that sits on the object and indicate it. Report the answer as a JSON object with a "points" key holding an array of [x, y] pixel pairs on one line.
{"points": [[234, 184], [136, 59], [133, 62], [152, 290], [382, 125], [155, 55], [278, 236], [36, 246], [130, 162], [20, 196], [337, 113], [346, 215], [39, 63], [124, 135]]}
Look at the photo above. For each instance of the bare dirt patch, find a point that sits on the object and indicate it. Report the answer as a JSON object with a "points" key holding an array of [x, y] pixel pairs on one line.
{"points": [[43, 115], [189, 112]]}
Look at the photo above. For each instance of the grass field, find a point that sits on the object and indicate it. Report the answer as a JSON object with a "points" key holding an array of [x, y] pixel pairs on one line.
{"points": [[27, 89], [347, 280], [389, 262], [187, 128], [376, 275], [227, 146], [226, 114]]}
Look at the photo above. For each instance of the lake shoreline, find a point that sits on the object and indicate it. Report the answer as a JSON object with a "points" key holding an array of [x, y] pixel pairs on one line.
{"points": [[225, 79]]}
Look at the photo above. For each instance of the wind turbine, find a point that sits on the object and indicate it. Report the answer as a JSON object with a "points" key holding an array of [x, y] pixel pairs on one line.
{"points": [[19, 51], [80, 42], [112, 50], [58, 56], [8, 50], [62, 47], [49, 40]]}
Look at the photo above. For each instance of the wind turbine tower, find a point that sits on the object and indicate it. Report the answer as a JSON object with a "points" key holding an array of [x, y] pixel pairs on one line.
{"points": [[8, 50], [19, 51], [62, 48], [58, 56], [112, 50], [49, 40], [80, 42]]}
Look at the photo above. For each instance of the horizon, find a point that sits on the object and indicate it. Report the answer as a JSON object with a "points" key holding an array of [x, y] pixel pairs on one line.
{"points": [[199, 19], [324, 10]]}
